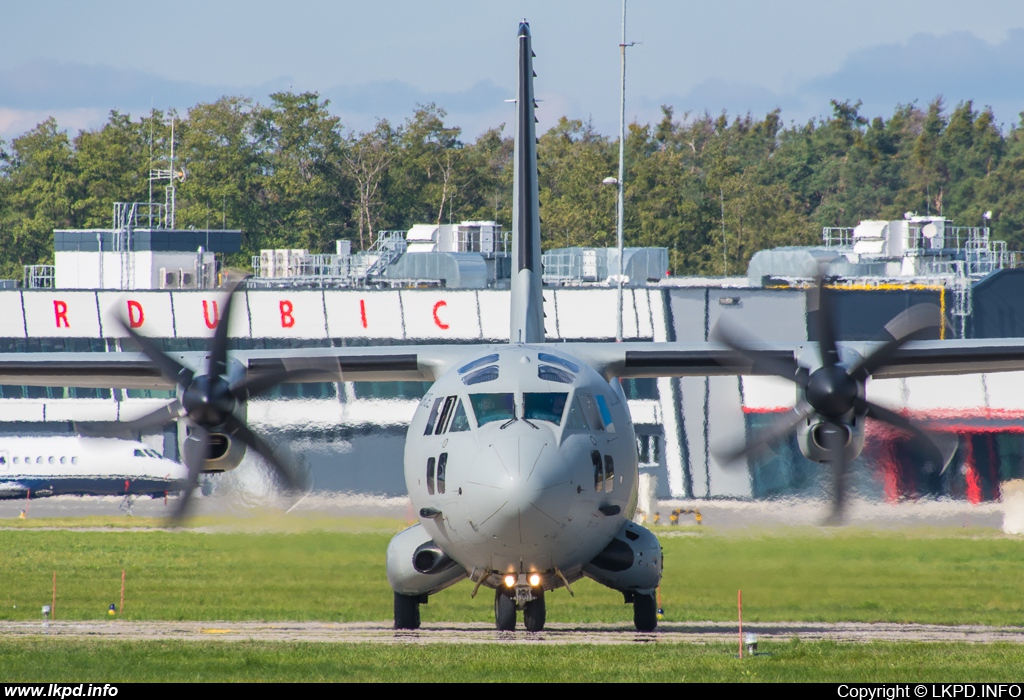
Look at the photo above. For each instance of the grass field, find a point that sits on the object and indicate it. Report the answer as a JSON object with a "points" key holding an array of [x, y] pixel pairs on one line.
{"points": [[333, 570], [794, 661]]}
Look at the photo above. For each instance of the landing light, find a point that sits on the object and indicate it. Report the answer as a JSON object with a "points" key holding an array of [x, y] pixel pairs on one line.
{"points": [[510, 581], [534, 580]]}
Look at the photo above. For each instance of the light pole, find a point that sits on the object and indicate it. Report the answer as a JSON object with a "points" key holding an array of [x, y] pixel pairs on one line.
{"points": [[621, 181]]}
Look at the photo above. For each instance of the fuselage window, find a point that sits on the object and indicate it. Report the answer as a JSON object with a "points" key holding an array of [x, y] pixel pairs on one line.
{"points": [[432, 418], [487, 374], [16, 460], [430, 476], [442, 464], [553, 374], [595, 458], [492, 407], [74, 460], [63, 460], [446, 415], [460, 421], [548, 406], [609, 473], [39, 459], [51, 460], [489, 360]]}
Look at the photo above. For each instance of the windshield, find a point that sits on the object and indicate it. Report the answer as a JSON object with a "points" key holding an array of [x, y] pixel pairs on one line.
{"points": [[492, 407], [547, 406]]}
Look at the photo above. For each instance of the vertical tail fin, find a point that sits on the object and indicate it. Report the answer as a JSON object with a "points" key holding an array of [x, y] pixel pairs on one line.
{"points": [[527, 313]]}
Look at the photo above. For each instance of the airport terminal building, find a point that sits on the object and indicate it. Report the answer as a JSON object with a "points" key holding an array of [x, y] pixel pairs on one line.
{"points": [[349, 435]]}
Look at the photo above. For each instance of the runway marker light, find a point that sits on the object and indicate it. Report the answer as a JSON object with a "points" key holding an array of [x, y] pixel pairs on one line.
{"points": [[750, 639], [534, 580], [510, 581], [112, 610]]}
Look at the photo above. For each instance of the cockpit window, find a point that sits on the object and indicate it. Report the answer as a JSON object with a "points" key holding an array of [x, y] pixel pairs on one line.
{"points": [[446, 415], [576, 419], [553, 374], [432, 418], [591, 413], [554, 359], [492, 407], [487, 374], [460, 421], [548, 406], [489, 360], [606, 415]]}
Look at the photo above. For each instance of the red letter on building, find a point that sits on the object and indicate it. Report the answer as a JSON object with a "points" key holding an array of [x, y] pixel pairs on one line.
{"points": [[135, 315], [60, 312], [287, 320], [440, 324], [206, 315], [362, 311]]}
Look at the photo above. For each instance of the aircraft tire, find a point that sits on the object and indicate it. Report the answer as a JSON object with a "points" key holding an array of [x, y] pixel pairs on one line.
{"points": [[645, 612], [407, 612], [534, 614], [504, 611]]}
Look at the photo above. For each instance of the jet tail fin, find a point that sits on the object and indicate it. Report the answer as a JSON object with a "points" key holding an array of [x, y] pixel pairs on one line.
{"points": [[527, 312]]}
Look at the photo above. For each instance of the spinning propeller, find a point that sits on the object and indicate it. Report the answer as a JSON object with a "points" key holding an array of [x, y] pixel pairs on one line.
{"points": [[832, 400], [207, 402]]}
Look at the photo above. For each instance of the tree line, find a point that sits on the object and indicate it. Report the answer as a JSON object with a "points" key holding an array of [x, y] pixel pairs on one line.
{"points": [[713, 189]]}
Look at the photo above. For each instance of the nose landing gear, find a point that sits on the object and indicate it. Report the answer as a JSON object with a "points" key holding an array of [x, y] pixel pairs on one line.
{"points": [[520, 597]]}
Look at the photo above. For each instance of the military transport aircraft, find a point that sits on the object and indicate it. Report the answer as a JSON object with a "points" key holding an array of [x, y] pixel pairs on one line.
{"points": [[521, 461]]}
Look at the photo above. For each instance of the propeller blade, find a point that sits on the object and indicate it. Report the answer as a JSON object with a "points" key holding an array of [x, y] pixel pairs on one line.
{"points": [[940, 451], [287, 473], [218, 362], [161, 416], [169, 368], [906, 326], [311, 369], [194, 453], [739, 343], [834, 436], [778, 430], [818, 301]]}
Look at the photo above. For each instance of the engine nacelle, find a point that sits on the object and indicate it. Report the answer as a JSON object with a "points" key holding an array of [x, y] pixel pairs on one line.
{"points": [[810, 438], [417, 566], [225, 454], [631, 562]]}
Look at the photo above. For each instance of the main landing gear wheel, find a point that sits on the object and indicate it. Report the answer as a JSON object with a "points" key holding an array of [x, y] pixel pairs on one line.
{"points": [[534, 613], [645, 612], [407, 612], [504, 611]]}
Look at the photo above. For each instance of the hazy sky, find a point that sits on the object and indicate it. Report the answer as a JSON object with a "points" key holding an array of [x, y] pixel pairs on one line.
{"points": [[78, 60]]}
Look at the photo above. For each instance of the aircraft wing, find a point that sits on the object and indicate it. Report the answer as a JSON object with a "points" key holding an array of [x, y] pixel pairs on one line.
{"points": [[132, 370], [914, 359]]}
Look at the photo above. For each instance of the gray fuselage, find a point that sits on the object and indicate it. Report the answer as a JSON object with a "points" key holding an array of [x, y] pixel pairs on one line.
{"points": [[524, 460]]}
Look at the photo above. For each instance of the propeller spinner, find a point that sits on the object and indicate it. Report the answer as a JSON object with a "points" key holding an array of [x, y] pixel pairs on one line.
{"points": [[832, 403]]}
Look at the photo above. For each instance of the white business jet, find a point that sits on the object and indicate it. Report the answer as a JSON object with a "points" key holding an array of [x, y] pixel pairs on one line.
{"points": [[58, 465]]}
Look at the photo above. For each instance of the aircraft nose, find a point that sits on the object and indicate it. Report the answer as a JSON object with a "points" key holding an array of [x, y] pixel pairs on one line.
{"points": [[529, 488]]}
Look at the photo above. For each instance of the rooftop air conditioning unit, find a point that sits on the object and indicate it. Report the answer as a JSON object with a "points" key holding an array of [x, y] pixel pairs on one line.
{"points": [[169, 279]]}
